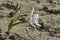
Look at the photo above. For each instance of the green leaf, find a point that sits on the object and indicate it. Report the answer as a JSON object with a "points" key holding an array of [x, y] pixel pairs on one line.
{"points": [[13, 20], [40, 17], [7, 37]]}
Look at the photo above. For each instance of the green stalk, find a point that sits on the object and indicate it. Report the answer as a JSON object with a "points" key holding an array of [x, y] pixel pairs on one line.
{"points": [[12, 22], [7, 37]]}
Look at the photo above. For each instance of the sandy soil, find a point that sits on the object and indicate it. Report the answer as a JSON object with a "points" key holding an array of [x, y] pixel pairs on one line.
{"points": [[49, 10]]}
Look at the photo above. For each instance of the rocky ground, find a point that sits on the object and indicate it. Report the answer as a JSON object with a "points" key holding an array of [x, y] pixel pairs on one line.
{"points": [[47, 9]]}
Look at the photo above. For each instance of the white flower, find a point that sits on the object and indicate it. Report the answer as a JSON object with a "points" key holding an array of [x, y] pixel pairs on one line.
{"points": [[33, 19]]}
